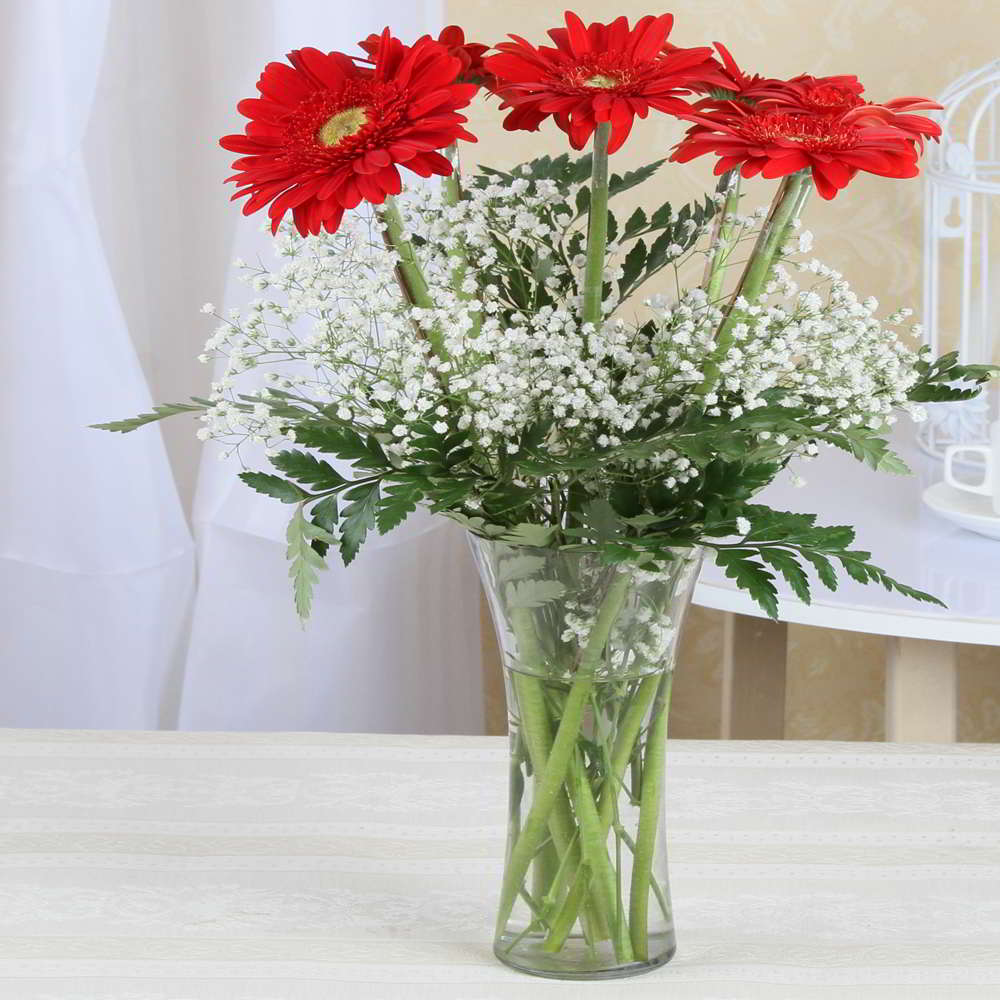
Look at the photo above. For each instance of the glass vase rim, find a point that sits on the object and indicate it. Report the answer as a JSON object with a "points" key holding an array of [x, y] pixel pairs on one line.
{"points": [[695, 550]]}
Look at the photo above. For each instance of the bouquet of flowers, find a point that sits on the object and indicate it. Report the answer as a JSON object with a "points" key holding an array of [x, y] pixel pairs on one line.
{"points": [[474, 346]]}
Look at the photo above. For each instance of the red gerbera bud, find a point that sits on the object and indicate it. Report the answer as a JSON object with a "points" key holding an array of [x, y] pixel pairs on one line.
{"points": [[326, 134], [776, 143], [601, 73]]}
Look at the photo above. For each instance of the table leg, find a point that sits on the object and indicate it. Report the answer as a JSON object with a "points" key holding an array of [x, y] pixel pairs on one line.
{"points": [[753, 678], [921, 691]]}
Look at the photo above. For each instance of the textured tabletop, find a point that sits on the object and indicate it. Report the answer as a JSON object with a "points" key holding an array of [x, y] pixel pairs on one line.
{"points": [[164, 866]]}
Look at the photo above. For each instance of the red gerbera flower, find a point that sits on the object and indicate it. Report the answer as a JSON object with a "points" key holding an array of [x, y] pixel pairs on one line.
{"points": [[601, 73], [841, 96], [776, 143], [326, 134], [453, 39]]}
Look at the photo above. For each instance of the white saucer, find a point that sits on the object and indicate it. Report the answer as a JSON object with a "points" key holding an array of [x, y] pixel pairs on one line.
{"points": [[972, 511]]}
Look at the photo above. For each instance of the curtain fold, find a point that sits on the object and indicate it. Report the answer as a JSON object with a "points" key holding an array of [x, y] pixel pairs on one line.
{"points": [[96, 561]]}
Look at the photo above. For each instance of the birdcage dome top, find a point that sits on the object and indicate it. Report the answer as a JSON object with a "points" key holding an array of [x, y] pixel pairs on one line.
{"points": [[968, 156]]}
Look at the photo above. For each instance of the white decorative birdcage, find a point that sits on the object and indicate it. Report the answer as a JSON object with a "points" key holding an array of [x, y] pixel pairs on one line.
{"points": [[961, 219]]}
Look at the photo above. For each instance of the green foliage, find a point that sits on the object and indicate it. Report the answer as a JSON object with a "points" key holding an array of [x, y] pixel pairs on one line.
{"points": [[944, 380], [643, 261], [871, 449], [342, 441], [536, 535], [750, 575], [274, 486], [324, 516], [519, 566], [632, 178], [357, 519], [858, 567], [617, 184], [158, 413], [398, 501], [533, 593], [787, 565], [563, 170], [306, 468], [304, 562], [782, 541]]}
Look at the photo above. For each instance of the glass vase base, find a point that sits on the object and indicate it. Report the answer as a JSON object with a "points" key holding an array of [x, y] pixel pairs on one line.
{"points": [[580, 964]]}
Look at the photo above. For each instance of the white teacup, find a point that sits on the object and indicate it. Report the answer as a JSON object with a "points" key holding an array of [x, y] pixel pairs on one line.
{"points": [[990, 483]]}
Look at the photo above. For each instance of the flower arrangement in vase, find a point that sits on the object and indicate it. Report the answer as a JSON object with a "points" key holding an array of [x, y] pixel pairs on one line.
{"points": [[462, 345]]}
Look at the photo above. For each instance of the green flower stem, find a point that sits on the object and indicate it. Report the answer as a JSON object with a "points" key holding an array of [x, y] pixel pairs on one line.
{"points": [[567, 866], [562, 922], [789, 202], [597, 229], [628, 733], [535, 732], [715, 268], [452, 185], [530, 929], [649, 819], [551, 779], [543, 870], [593, 845], [535, 729], [411, 278], [654, 885], [548, 788], [785, 209]]}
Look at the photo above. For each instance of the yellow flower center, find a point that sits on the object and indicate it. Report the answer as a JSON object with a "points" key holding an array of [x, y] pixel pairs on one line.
{"points": [[601, 80], [344, 123]]}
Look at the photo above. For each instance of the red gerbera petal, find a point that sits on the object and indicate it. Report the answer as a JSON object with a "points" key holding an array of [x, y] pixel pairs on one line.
{"points": [[596, 73], [326, 133]]}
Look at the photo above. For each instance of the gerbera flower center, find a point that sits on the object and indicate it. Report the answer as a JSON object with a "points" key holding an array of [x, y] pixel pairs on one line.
{"points": [[601, 80], [807, 131], [343, 124], [599, 71]]}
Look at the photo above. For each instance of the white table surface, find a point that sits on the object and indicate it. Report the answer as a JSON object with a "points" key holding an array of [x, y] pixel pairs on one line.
{"points": [[912, 543], [166, 866]]}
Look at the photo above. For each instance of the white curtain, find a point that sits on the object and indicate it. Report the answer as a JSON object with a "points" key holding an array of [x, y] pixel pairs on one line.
{"points": [[115, 228]]}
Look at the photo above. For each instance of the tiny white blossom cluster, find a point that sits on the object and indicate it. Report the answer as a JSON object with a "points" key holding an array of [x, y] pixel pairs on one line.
{"points": [[329, 333], [825, 349]]}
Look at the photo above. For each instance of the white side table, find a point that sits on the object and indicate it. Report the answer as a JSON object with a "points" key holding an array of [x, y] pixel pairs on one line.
{"points": [[914, 546]]}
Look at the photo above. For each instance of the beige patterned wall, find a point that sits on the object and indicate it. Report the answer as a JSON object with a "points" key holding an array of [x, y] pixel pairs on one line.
{"points": [[897, 47]]}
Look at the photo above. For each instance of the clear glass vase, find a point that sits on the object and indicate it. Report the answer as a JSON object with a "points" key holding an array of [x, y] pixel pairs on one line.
{"points": [[588, 651]]}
